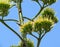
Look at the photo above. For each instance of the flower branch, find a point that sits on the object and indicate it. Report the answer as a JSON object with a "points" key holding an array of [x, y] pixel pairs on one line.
{"points": [[33, 35], [27, 18], [40, 11], [11, 29], [10, 20]]}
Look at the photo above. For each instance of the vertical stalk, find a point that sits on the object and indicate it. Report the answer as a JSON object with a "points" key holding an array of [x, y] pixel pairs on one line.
{"points": [[19, 11], [38, 44], [39, 39], [21, 19]]}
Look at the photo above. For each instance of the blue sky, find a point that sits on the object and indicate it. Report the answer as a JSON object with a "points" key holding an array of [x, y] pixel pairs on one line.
{"points": [[30, 9]]}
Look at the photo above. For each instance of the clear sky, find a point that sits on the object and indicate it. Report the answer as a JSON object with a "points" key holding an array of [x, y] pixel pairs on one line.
{"points": [[30, 9]]}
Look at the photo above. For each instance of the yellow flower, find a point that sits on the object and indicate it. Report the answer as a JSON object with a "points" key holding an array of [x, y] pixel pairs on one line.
{"points": [[41, 22], [4, 7], [41, 19], [4, 1], [26, 27], [50, 20]]}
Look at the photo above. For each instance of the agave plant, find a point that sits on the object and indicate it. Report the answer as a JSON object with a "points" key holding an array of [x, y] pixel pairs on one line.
{"points": [[41, 23]]}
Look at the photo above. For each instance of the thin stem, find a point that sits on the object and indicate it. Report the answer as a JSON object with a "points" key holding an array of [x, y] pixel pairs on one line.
{"points": [[40, 38], [27, 18], [43, 35], [10, 20], [33, 35], [39, 4], [40, 11], [11, 29]]}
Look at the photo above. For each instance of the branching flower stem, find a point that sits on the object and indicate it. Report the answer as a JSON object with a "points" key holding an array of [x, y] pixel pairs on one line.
{"points": [[28, 18], [10, 20], [40, 38], [21, 20], [11, 29], [33, 35], [40, 11]]}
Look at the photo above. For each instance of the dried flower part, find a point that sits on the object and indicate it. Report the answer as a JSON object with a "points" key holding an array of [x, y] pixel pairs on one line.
{"points": [[4, 6], [27, 27]]}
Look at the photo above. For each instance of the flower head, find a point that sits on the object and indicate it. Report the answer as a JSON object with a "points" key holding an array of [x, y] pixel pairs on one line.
{"points": [[26, 27], [4, 7], [49, 2], [44, 23]]}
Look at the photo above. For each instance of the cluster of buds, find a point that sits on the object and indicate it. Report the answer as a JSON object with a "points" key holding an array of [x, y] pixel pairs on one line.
{"points": [[49, 13], [42, 23], [4, 7], [26, 27], [49, 2], [38, 24]]}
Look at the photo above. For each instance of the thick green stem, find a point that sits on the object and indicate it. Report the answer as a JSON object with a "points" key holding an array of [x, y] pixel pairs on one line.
{"points": [[39, 39], [21, 21], [20, 12]]}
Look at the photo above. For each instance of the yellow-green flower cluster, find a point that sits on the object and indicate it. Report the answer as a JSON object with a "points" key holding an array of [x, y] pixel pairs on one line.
{"points": [[4, 1], [29, 43], [49, 13], [27, 27], [49, 2], [38, 24], [42, 23], [4, 6], [45, 22]]}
